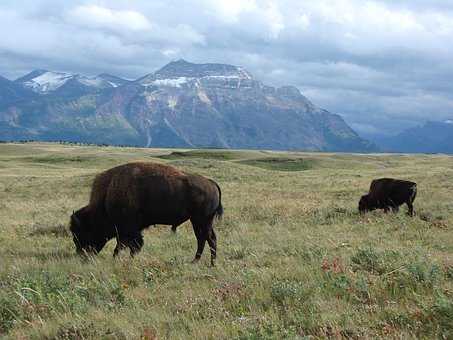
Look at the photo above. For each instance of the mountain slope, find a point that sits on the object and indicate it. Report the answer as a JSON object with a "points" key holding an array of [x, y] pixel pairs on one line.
{"points": [[185, 105], [11, 92], [432, 137]]}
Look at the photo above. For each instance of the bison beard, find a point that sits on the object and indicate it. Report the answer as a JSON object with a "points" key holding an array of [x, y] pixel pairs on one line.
{"points": [[129, 198]]}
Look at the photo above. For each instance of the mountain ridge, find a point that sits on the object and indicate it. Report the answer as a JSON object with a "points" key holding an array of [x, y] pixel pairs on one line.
{"points": [[180, 105], [431, 137]]}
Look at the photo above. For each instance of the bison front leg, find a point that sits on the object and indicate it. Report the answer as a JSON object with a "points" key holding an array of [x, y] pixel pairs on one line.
{"points": [[119, 246], [135, 244]]}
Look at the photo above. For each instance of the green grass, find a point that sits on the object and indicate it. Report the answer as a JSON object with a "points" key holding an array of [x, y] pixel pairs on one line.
{"points": [[295, 259]]}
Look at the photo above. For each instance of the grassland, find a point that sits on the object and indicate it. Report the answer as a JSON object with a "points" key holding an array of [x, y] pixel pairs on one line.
{"points": [[295, 258]]}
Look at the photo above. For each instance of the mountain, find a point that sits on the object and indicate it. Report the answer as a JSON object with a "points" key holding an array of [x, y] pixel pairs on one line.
{"points": [[181, 105], [11, 92], [113, 81], [61, 83], [432, 137]]}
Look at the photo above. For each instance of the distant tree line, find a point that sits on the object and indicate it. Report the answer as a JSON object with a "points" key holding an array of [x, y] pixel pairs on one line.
{"points": [[64, 142]]}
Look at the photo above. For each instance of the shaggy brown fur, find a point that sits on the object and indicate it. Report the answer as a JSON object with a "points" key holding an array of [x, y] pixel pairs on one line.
{"points": [[129, 198]]}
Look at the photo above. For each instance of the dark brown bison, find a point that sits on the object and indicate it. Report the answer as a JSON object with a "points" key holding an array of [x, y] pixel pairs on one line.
{"points": [[389, 193], [129, 198]]}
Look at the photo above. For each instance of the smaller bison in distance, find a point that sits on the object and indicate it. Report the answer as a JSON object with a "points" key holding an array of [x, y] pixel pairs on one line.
{"points": [[389, 193], [129, 198]]}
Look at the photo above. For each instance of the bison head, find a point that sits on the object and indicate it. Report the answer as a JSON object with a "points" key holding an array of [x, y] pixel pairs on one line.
{"points": [[364, 204], [85, 237]]}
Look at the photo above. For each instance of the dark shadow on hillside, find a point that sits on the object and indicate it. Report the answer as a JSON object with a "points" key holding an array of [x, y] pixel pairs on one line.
{"points": [[203, 154], [282, 164]]}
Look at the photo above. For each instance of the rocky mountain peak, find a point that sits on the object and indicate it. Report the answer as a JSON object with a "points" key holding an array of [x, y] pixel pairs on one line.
{"points": [[182, 68], [31, 75], [183, 71]]}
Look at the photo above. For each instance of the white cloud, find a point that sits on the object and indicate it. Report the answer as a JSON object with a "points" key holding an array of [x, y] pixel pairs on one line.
{"points": [[274, 18], [304, 21], [230, 10], [103, 17]]}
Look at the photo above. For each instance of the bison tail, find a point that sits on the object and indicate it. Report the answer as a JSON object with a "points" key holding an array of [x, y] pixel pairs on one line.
{"points": [[219, 211]]}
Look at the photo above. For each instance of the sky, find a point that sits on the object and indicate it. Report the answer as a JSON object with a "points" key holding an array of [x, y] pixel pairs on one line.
{"points": [[383, 66]]}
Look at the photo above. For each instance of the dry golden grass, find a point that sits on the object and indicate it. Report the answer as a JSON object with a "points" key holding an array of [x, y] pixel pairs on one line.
{"points": [[295, 259]]}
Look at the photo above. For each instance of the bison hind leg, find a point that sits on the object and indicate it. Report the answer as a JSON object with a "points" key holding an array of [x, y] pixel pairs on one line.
{"points": [[204, 231], [410, 207], [201, 240], [212, 240]]}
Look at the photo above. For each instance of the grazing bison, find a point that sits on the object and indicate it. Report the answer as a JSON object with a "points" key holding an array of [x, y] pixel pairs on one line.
{"points": [[129, 198], [389, 193]]}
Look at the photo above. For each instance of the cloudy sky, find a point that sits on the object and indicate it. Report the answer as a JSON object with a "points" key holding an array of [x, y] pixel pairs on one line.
{"points": [[382, 65]]}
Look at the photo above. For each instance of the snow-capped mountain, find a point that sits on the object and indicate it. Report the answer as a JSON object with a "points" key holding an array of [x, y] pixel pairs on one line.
{"points": [[181, 105], [181, 73], [45, 82]]}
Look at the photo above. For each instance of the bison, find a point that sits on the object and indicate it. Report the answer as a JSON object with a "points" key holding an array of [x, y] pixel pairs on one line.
{"points": [[389, 193], [129, 198]]}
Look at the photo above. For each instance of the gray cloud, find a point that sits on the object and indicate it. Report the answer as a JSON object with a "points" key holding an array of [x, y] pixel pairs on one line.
{"points": [[383, 65]]}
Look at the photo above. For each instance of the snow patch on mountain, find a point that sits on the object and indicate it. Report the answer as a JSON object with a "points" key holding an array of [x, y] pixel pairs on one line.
{"points": [[180, 81], [204, 97], [93, 82], [176, 82], [48, 81], [113, 84], [172, 102]]}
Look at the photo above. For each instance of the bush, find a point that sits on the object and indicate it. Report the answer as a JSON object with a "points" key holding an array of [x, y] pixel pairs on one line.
{"points": [[368, 259]]}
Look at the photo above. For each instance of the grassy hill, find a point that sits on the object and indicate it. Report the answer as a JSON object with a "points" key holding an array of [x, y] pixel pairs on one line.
{"points": [[294, 257]]}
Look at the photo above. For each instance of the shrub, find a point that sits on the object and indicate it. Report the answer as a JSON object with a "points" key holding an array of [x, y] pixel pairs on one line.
{"points": [[368, 259]]}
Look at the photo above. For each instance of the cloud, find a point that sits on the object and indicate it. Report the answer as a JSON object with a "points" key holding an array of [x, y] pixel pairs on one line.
{"points": [[383, 65], [230, 11], [101, 17]]}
